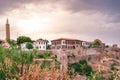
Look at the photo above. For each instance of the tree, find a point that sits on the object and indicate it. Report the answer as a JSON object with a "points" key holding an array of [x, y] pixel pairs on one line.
{"points": [[81, 68], [23, 39], [29, 45], [46, 55], [94, 76], [97, 44], [107, 46], [11, 42], [47, 44]]}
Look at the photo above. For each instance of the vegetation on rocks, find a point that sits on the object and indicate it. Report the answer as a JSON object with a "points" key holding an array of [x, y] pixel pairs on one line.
{"points": [[81, 68], [21, 65], [30, 65]]}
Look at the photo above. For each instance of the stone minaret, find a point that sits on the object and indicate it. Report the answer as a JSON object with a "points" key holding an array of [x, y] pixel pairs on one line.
{"points": [[7, 30]]}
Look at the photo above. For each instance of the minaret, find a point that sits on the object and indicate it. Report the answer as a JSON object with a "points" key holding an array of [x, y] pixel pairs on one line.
{"points": [[7, 30]]}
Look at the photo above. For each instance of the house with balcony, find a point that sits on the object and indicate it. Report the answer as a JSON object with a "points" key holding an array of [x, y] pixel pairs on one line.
{"points": [[65, 44]]}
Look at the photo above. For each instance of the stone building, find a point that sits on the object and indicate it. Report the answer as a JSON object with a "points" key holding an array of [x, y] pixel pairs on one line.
{"points": [[115, 48], [65, 44]]}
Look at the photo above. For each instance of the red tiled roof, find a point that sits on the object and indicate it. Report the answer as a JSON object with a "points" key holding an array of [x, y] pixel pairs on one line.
{"points": [[40, 41], [65, 39]]}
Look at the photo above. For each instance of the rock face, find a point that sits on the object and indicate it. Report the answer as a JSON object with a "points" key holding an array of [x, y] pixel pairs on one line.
{"points": [[91, 51], [62, 58], [115, 48], [99, 61]]}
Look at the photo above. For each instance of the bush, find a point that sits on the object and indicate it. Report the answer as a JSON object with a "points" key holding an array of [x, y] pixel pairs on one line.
{"points": [[46, 54], [80, 68], [13, 63], [19, 65], [29, 45], [45, 64], [112, 67], [95, 76], [83, 62], [40, 56]]}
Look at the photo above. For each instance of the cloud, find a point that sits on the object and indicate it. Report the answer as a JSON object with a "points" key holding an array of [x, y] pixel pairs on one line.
{"points": [[8, 5], [97, 5], [84, 19], [104, 6]]}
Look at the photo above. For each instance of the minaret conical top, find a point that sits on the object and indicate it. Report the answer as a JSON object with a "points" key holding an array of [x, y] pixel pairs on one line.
{"points": [[7, 21]]}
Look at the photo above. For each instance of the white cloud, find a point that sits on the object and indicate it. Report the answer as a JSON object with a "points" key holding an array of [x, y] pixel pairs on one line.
{"points": [[53, 21]]}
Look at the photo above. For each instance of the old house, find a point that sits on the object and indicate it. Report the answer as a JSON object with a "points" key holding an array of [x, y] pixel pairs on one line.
{"points": [[65, 44], [40, 44]]}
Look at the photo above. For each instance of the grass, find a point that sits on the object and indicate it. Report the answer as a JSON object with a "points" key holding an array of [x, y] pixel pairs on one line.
{"points": [[20, 65]]}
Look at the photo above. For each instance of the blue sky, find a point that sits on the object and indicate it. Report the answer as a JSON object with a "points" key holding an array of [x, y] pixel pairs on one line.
{"points": [[51, 19]]}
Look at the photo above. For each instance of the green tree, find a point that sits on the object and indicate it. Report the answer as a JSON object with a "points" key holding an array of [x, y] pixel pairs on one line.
{"points": [[47, 44], [12, 42], [29, 45], [81, 67], [94, 76], [107, 46], [23, 39], [97, 44], [46, 55]]}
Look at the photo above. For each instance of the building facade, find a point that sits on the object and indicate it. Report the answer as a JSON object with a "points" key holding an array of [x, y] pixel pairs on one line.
{"points": [[86, 44], [65, 44], [40, 44], [23, 47], [7, 30]]}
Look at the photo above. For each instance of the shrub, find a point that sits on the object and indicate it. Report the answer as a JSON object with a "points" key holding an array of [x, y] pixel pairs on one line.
{"points": [[80, 68], [95, 76], [14, 63], [29, 45], [40, 56], [46, 54], [45, 64]]}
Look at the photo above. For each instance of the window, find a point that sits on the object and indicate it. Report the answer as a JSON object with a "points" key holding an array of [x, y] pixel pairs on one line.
{"points": [[73, 47], [73, 42], [58, 47], [77, 42], [43, 46], [40, 47], [76, 45]]}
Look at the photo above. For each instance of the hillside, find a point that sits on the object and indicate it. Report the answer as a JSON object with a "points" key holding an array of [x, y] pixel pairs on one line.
{"points": [[30, 65]]}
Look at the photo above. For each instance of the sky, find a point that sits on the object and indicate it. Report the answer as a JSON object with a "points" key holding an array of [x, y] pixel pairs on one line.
{"points": [[51, 19]]}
